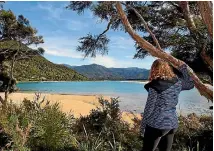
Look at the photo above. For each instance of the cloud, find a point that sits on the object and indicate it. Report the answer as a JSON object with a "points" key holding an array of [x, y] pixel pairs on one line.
{"points": [[122, 42], [103, 60], [56, 14], [131, 56], [63, 53], [109, 61], [61, 46], [53, 12], [76, 25]]}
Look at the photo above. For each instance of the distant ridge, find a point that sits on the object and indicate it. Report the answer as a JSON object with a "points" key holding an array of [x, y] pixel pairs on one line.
{"points": [[99, 72]]}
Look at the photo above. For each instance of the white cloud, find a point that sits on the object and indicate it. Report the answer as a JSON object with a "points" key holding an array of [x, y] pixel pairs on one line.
{"points": [[61, 46], [108, 61], [122, 42], [131, 56], [76, 25], [103, 60], [63, 53], [54, 12]]}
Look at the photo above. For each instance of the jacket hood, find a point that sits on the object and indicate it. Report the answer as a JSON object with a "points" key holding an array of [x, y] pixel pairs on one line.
{"points": [[160, 85]]}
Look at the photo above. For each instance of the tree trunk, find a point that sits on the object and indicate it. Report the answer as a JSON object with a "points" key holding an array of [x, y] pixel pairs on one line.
{"points": [[11, 74], [203, 89], [1, 66], [3, 102], [206, 10], [11, 78]]}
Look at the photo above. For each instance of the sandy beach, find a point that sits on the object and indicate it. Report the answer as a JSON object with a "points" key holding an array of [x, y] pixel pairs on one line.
{"points": [[76, 104]]}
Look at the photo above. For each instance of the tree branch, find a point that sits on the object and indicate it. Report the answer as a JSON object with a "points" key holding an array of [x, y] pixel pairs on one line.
{"points": [[107, 28], [206, 58], [203, 89], [144, 24], [206, 11], [187, 16], [8, 49]]}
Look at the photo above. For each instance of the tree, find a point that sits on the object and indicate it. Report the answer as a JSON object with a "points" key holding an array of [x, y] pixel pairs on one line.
{"points": [[167, 23], [16, 34]]}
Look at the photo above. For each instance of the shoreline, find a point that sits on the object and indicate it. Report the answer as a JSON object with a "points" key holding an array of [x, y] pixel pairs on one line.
{"points": [[134, 81], [54, 93], [78, 105], [81, 104]]}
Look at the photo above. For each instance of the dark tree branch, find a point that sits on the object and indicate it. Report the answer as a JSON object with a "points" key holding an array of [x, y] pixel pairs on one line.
{"points": [[206, 58], [107, 29], [90, 44]]}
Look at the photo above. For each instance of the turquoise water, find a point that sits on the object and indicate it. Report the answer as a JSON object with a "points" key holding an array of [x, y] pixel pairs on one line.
{"points": [[132, 95]]}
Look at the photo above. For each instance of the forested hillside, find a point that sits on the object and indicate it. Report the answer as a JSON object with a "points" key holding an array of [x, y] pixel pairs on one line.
{"points": [[40, 69], [98, 72]]}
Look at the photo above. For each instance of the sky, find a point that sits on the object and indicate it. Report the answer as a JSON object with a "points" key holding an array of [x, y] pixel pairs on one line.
{"points": [[62, 28]]}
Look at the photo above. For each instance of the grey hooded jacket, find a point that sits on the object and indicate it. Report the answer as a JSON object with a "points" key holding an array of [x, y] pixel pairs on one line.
{"points": [[160, 109]]}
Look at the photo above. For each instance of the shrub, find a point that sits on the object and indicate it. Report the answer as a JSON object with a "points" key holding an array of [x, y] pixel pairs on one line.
{"points": [[106, 124], [194, 133], [38, 125]]}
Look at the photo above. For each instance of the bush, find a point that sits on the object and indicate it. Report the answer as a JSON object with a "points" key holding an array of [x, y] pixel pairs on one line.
{"points": [[105, 124], [195, 133], [38, 125]]}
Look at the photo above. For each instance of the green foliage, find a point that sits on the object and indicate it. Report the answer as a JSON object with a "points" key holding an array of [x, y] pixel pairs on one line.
{"points": [[195, 132], [40, 69], [36, 125], [88, 45], [39, 125], [46, 136], [17, 28], [104, 127], [16, 34]]}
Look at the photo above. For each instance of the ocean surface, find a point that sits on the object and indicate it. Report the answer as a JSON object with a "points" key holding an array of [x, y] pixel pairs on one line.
{"points": [[132, 95]]}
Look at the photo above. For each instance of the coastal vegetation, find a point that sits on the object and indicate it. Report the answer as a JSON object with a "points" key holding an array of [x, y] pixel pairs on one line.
{"points": [[38, 125], [16, 35]]}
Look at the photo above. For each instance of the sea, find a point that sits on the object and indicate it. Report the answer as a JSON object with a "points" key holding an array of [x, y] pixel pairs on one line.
{"points": [[131, 94]]}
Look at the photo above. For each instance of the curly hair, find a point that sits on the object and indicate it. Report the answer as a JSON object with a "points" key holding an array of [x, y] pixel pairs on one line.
{"points": [[162, 70]]}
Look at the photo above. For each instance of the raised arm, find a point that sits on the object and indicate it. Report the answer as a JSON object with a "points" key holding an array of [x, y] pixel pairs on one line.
{"points": [[187, 81], [150, 105]]}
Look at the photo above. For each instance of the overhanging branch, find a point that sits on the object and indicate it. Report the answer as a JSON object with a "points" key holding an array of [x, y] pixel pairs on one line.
{"points": [[203, 89], [144, 24]]}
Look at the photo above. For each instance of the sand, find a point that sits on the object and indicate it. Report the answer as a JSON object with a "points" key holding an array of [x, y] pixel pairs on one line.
{"points": [[76, 104]]}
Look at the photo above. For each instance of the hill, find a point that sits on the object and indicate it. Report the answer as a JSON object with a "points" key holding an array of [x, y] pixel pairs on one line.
{"points": [[39, 68], [98, 72]]}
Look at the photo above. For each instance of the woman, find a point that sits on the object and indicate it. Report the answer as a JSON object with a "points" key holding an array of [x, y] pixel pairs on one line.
{"points": [[160, 119]]}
